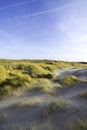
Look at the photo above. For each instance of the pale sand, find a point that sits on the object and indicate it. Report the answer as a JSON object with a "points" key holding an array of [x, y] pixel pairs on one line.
{"points": [[25, 116]]}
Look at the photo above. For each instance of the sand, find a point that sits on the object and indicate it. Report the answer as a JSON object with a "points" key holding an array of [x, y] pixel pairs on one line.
{"points": [[15, 116]]}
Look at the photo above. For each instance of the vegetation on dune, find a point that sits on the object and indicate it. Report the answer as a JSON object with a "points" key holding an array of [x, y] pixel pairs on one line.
{"points": [[83, 94], [45, 125], [78, 125], [51, 108], [68, 80], [3, 74], [18, 74], [4, 116], [27, 103], [35, 125], [43, 85], [12, 81], [54, 105], [31, 69]]}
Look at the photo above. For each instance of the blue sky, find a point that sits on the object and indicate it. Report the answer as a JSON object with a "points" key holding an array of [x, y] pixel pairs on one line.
{"points": [[43, 29]]}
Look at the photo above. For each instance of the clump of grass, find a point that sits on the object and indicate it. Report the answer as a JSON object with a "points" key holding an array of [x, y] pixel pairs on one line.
{"points": [[43, 84], [83, 94], [3, 116], [64, 104], [33, 69], [35, 125], [14, 81], [27, 103], [47, 75], [68, 80], [45, 125], [78, 125], [57, 85], [18, 79], [54, 105], [3, 74], [5, 91]]}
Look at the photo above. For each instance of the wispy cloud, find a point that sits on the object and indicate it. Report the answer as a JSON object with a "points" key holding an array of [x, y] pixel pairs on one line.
{"points": [[50, 10], [73, 26], [14, 5]]}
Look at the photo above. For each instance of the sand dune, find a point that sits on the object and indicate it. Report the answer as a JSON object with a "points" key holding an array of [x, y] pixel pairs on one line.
{"points": [[79, 73], [13, 115]]}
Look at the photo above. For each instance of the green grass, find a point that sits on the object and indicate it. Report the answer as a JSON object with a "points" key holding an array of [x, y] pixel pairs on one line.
{"points": [[43, 84], [68, 80], [16, 75], [13, 81]]}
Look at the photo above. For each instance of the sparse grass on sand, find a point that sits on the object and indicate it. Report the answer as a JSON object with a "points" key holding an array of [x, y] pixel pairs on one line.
{"points": [[44, 85], [83, 94], [4, 116], [54, 105], [27, 103], [79, 124], [45, 125], [57, 85], [35, 125]]}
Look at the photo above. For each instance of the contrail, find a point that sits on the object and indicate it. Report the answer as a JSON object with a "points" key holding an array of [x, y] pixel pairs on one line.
{"points": [[14, 5], [48, 11]]}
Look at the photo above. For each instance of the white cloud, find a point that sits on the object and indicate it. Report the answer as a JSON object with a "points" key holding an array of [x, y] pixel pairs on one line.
{"points": [[74, 25], [50, 10], [15, 5]]}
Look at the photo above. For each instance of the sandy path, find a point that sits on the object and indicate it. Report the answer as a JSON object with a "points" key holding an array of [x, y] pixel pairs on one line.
{"points": [[79, 73]]}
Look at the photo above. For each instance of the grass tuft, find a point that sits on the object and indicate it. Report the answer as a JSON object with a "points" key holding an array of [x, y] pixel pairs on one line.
{"points": [[68, 80], [3, 116], [79, 124], [44, 85], [54, 105], [27, 103], [83, 94]]}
